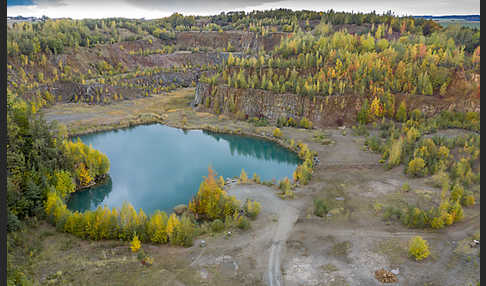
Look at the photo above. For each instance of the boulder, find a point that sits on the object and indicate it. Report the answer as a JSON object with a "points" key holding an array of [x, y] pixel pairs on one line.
{"points": [[180, 209]]}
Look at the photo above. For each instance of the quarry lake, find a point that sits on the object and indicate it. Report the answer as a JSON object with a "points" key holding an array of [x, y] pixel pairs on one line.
{"points": [[158, 167]]}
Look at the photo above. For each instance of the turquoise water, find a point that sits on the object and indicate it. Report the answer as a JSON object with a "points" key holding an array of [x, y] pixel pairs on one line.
{"points": [[158, 167]]}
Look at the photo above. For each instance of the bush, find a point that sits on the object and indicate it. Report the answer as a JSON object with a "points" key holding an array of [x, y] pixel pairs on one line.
{"points": [[252, 209], [416, 114], [374, 144], [391, 212], [320, 208], [416, 167], [217, 225], [437, 222], [406, 187], [456, 193], [401, 115], [305, 123], [468, 200], [256, 178], [281, 122], [418, 248], [360, 130], [258, 122], [135, 244], [243, 177], [285, 185], [395, 155], [291, 122], [277, 133], [13, 223], [362, 116], [243, 223]]}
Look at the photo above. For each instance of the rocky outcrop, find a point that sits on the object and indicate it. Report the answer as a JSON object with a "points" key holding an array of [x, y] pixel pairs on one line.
{"points": [[180, 209], [321, 110], [239, 40]]}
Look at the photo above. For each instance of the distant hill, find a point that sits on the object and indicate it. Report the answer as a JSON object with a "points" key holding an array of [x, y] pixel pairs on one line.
{"points": [[452, 17]]}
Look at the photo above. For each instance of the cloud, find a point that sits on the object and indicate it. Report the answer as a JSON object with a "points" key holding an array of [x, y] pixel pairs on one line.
{"points": [[195, 6], [150, 9]]}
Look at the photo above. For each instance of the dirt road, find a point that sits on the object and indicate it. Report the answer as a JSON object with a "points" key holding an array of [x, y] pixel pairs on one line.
{"points": [[287, 213]]}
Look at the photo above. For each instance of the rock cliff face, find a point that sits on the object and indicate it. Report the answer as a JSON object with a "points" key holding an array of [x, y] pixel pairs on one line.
{"points": [[239, 40], [321, 110]]}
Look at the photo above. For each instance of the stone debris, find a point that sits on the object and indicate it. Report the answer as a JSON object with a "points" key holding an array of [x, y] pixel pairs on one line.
{"points": [[180, 209], [474, 243], [385, 276], [231, 181]]}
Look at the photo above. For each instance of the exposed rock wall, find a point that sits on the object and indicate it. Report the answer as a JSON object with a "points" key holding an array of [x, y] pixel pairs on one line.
{"points": [[239, 40], [321, 110]]}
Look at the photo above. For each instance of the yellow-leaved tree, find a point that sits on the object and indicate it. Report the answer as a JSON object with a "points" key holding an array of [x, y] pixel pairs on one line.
{"points": [[418, 248], [243, 177], [135, 244], [211, 201], [376, 109], [172, 226]]}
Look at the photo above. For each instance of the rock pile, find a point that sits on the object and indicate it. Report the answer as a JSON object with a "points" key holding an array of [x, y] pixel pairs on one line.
{"points": [[385, 276]]}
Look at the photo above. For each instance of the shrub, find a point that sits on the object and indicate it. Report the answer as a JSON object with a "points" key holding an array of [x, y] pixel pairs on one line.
{"points": [[243, 177], [291, 122], [320, 208], [217, 225], [135, 244], [414, 217], [395, 156], [284, 185], [13, 222], [221, 182], [212, 202], [406, 187], [376, 109], [305, 123], [243, 223], [185, 232], [288, 194], [252, 209], [303, 173], [374, 144], [277, 133], [468, 200], [360, 130], [362, 116], [281, 122], [416, 167], [418, 248], [437, 222], [401, 115], [256, 178], [456, 193], [391, 212], [416, 114]]}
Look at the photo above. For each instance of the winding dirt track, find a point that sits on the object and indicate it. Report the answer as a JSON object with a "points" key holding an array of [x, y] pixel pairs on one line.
{"points": [[287, 212]]}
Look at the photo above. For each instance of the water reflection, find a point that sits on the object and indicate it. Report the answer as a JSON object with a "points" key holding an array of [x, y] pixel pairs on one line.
{"points": [[91, 198], [255, 147]]}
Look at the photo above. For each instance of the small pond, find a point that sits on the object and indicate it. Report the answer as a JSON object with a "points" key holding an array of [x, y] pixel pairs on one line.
{"points": [[158, 167]]}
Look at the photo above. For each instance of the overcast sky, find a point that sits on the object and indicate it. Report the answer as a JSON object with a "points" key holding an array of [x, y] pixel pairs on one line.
{"points": [[150, 9]]}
